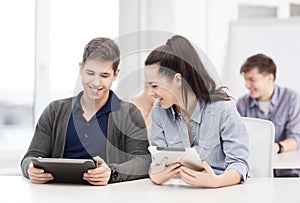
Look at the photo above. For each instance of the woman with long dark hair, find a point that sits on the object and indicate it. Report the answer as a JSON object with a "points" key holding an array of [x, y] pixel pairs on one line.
{"points": [[191, 111]]}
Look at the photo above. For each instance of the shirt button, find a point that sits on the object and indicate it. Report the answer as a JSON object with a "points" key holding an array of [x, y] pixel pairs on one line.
{"points": [[86, 135], [88, 124]]}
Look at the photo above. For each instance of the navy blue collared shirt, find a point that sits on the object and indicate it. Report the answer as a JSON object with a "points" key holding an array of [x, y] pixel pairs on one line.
{"points": [[86, 139]]}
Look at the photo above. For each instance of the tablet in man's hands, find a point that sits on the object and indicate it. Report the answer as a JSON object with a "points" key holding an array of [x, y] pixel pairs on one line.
{"points": [[185, 156], [65, 170]]}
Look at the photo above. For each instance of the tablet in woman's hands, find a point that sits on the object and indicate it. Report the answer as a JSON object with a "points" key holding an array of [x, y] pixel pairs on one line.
{"points": [[185, 156]]}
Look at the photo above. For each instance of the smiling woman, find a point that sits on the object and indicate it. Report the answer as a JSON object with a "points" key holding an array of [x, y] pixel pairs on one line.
{"points": [[162, 88], [192, 111]]}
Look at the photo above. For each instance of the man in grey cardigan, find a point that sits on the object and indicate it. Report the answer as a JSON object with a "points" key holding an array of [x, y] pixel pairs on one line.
{"points": [[95, 124]]}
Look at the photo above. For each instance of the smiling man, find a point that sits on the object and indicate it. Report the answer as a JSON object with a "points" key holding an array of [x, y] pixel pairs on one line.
{"points": [[95, 124], [266, 100]]}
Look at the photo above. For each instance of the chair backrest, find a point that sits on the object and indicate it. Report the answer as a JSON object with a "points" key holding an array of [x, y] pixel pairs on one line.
{"points": [[261, 142]]}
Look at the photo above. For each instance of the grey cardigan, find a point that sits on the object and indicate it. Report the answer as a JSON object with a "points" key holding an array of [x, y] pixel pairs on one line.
{"points": [[127, 142]]}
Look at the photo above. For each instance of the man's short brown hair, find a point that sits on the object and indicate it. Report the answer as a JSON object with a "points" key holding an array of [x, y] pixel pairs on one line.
{"points": [[264, 64], [104, 49]]}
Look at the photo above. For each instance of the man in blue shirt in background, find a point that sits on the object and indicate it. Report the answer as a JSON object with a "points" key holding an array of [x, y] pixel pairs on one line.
{"points": [[266, 100]]}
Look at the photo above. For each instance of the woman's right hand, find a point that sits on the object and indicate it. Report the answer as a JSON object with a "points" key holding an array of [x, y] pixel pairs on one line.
{"points": [[160, 173], [37, 175]]}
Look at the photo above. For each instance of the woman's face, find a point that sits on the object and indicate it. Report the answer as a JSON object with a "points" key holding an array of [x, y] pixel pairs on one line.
{"points": [[97, 78], [161, 87]]}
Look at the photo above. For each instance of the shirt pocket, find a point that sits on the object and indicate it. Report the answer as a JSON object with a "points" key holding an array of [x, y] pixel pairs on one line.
{"points": [[175, 143], [173, 139], [208, 149]]}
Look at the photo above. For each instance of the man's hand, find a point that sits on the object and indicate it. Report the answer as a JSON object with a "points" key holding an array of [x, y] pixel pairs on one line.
{"points": [[37, 175], [100, 175]]}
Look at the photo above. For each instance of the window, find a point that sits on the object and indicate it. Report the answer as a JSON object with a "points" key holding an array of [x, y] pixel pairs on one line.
{"points": [[70, 25], [295, 9], [16, 81], [256, 11]]}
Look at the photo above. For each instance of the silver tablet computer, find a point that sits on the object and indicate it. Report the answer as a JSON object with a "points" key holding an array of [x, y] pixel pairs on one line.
{"points": [[64, 170], [185, 156]]}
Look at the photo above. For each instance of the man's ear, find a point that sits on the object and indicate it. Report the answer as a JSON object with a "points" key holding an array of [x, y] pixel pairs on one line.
{"points": [[80, 67], [116, 73], [178, 80], [271, 77]]}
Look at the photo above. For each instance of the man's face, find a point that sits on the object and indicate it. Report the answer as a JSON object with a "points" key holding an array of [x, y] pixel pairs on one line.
{"points": [[97, 78], [260, 85]]}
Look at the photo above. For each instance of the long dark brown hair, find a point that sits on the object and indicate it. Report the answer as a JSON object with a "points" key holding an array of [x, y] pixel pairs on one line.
{"points": [[179, 56]]}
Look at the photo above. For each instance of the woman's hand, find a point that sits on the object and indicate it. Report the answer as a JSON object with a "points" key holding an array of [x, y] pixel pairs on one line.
{"points": [[100, 175], [160, 173], [205, 178], [38, 176]]}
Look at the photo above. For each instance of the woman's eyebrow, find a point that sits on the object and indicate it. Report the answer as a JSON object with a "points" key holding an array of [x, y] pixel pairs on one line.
{"points": [[105, 73]]}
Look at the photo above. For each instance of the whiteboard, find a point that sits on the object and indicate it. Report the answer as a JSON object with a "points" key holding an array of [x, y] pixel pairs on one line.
{"points": [[277, 38]]}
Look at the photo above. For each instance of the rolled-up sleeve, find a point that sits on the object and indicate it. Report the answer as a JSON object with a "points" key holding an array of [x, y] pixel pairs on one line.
{"points": [[235, 141], [241, 106], [292, 129], [157, 132]]}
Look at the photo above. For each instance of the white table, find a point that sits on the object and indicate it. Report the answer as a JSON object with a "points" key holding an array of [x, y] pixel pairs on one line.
{"points": [[268, 190], [287, 160]]}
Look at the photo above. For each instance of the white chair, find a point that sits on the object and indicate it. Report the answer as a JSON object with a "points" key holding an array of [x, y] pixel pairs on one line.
{"points": [[261, 142]]}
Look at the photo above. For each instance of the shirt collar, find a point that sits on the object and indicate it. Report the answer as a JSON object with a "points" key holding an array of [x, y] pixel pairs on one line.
{"points": [[174, 113], [274, 99], [77, 106], [253, 102], [196, 115], [112, 104]]}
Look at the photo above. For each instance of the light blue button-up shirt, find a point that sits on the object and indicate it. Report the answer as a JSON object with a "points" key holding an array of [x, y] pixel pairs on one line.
{"points": [[219, 134]]}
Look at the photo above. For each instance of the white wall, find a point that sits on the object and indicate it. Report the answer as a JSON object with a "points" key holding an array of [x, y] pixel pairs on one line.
{"points": [[203, 22], [220, 14], [278, 38]]}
